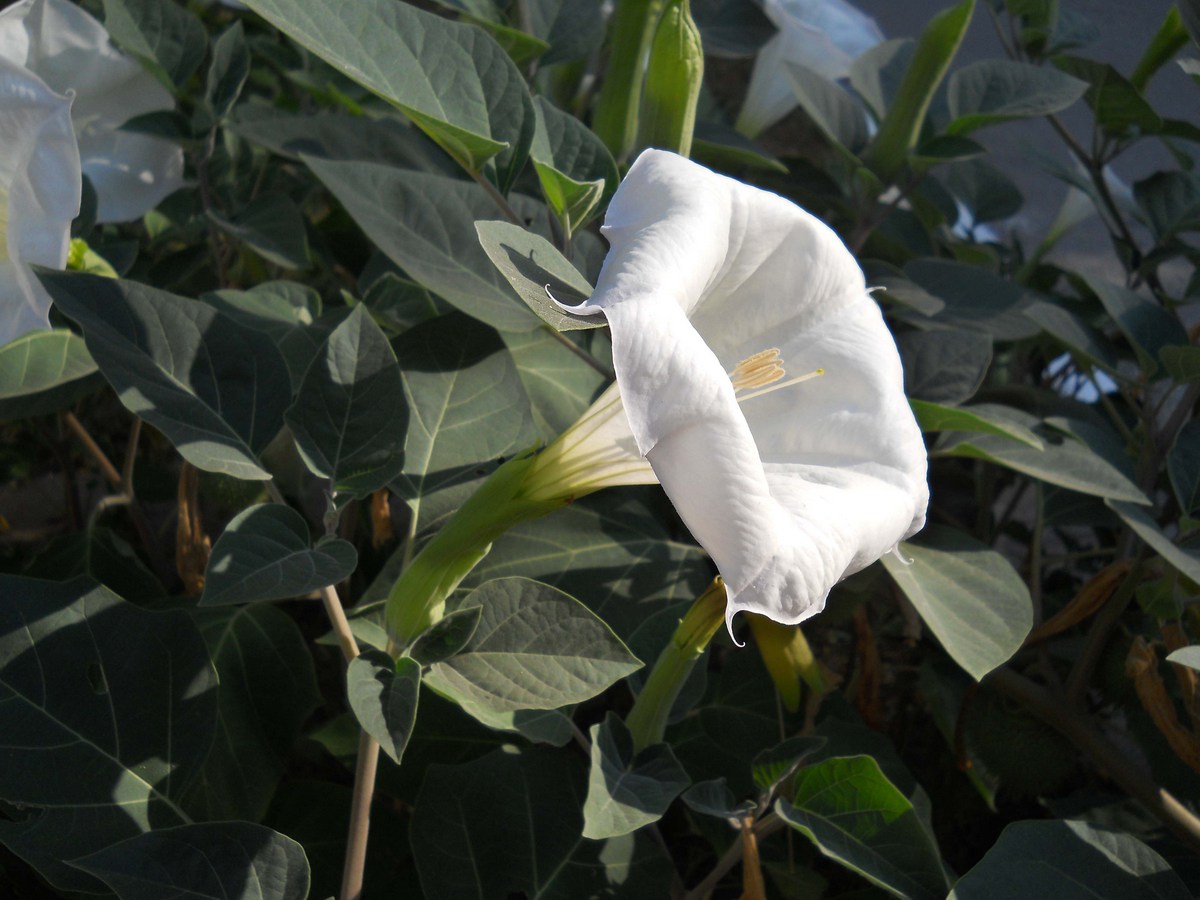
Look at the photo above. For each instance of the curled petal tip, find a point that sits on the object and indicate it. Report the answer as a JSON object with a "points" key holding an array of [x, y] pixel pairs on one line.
{"points": [[730, 612], [904, 560]]}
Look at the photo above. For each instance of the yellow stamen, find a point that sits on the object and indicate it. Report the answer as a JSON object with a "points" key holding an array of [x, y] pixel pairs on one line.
{"points": [[775, 387], [761, 369]]}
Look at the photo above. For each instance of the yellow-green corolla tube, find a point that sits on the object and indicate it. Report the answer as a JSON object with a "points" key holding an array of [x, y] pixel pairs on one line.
{"points": [[673, 78], [616, 118]]}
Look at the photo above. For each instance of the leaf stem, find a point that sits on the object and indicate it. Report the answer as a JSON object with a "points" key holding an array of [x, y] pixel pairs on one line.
{"points": [[764, 827], [106, 466], [497, 198], [582, 354]]}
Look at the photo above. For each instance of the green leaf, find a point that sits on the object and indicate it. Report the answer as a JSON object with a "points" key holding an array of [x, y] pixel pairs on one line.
{"points": [[268, 689], [1119, 107], [969, 595], [997, 90], [831, 109], [350, 420], [383, 694], [102, 555], [985, 418], [446, 637], [228, 70], [732, 29], [974, 298], [215, 388], [1181, 363], [984, 189], [426, 225], [559, 384], [576, 171], [1170, 201], [901, 125], [115, 707], [1147, 529], [1183, 467], [775, 764], [208, 861], [1189, 12], [163, 35], [1080, 337], [534, 267], [944, 366], [714, 798], [1149, 327], [271, 225], [466, 408], [1066, 462], [535, 648], [1069, 861], [1186, 656], [44, 371], [855, 816], [265, 554], [627, 790], [399, 51]]}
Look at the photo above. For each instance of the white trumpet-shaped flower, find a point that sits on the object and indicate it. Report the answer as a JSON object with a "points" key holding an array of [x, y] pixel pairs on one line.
{"points": [[71, 51], [40, 185], [823, 35], [758, 379]]}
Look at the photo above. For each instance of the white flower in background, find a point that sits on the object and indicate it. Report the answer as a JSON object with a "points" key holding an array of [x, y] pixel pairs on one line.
{"points": [[725, 302], [71, 51], [40, 185], [823, 35]]}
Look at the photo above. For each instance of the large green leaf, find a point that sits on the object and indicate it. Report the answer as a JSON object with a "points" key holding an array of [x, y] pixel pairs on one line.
{"points": [[1074, 332], [115, 708], [215, 388], [466, 408], [168, 39], [984, 418], [831, 109], [974, 298], [426, 225], [44, 371], [209, 861], [1119, 107], [383, 694], [1069, 861], [1137, 518], [1149, 327], [996, 90], [944, 366], [534, 648], [349, 420], [266, 553], [576, 171], [518, 847], [227, 71], [849, 809], [627, 790], [268, 689], [400, 53], [273, 226], [968, 594], [560, 384]]}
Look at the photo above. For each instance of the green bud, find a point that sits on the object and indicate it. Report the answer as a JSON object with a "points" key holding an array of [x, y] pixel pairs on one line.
{"points": [[673, 79]]}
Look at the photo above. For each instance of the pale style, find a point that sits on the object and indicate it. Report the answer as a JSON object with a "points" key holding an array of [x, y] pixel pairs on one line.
{"points": [[71, 52], [725, 302], [39, 194], [825, 36]]}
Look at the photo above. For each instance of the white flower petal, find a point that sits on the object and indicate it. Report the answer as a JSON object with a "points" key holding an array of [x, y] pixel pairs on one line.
{"points": [[71, 51], [792, 490]]}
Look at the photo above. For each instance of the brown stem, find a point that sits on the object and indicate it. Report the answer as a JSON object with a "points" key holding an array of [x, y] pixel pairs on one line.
{"points": [[498, 199], [106, 466], [765, 827], [360, 817], [1110, 613], [1083, 733]]}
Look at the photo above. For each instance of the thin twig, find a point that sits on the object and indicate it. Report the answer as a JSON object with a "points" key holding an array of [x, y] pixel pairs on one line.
{"points": [[1083, 733], [135, 431], [106, 466]]}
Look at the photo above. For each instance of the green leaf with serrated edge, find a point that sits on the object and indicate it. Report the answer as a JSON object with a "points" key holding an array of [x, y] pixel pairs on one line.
{"points": [[1071, 861], [446, 637], [627, 790], [1074, 332], [227, 71], [268, 690], [533, 267], [714, 798], [215, 388], [516, 848], [997, 90], [1186, 656], [115, 707], [265, 553], [273, 226], [383, 695], [44, 371], [466, 409], [168, 39], [944, 366], [1063, 461], [831, 109], [576, 171], [855, 816], [1149, 327], [535, 648], [1183, 468], [426, 225], [1137, 518], [968, 594], [984, 418], [350, 419], [774, 764], [397, 51], [204, 861], [1181, 363]]}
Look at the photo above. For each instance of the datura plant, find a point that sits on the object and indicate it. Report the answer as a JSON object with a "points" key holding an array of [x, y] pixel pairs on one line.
{"points": [[550, 449]]}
